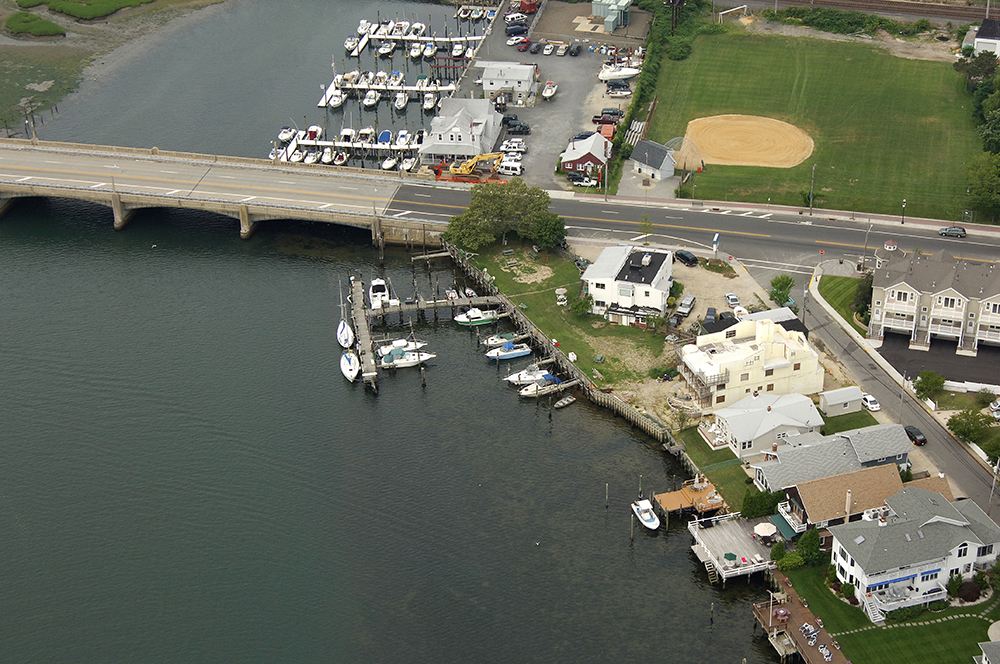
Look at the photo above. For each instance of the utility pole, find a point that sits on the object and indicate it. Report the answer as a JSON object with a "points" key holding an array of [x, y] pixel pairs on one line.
{"points": [[812, 186], [902, 391], [864, 256], [902, 219]]}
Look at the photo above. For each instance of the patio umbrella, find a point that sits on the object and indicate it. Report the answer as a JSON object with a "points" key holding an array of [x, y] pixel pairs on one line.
{"points": [[765, 529], [730, 556]]}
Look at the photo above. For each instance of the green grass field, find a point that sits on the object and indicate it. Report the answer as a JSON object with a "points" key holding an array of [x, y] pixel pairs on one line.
{"points": [[839, 423], [885, 128], [839, 293]]}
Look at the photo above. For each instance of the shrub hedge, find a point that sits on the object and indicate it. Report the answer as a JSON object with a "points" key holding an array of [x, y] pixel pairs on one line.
{"points": [[83, 9], [32, 24]]}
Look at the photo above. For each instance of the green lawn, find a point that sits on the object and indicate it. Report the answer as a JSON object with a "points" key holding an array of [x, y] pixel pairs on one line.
{"points": [[85, 9], [839, 293], [838, 616], [838, 423], [730, 481], [956, 400], [885, 128]]}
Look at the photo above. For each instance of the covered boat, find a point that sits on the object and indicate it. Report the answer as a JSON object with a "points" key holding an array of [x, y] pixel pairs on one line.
{"points": [[508, 351], [384, 138], [430, 50], [526, 376], [475, 316], [400, 359], [327, 156], [546, 384], [644, 510]]}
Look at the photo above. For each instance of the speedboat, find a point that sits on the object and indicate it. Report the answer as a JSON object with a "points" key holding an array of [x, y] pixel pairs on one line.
{"points": [[401, 344], [384, 138], [311, 157], [364, 26], [366, 79], [273, 154], [366, 134], [475, 316], [464, 13], [400, 359], [336, 99], [545, 384], [346, 135], [491, 14], [351, 42], [499, 339], [396, 79], [644, 510], [345, 334], [457, 49], [381, 79], [417, 30], [416, 50], [526, 376], [347, 79], [341, 158], [389, 163], [620, 92], [408, 164], [418, 138], [508, 351], [371, 99], [430, 101], [400, 29], [469, 292], [617, 73], [314, 132], [401, 100], [470, 52], [350, 365], [451, 293], [387, 48], [476, 14], [430, 50], [327, 156], [297, 156], [286, 134], [402, 139], [549, 91], [378, 293]]}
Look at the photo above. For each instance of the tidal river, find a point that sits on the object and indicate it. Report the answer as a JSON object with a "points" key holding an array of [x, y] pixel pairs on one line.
{"points": [[188, 478]]}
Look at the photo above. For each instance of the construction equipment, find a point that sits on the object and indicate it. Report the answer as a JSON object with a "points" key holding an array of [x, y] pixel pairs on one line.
{"points": [[469, 167]]}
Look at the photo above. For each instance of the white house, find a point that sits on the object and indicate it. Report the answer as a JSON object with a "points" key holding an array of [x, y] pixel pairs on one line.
{"points": [[903, 554], [991, 653], [988, 37], [465, 128], [757, 422], [630, 283], [652, 159], [841, 401], [516, 81], [752, 356]]}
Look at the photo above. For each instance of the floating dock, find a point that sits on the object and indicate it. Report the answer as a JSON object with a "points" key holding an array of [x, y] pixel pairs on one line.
{"points": [[369, 372]]}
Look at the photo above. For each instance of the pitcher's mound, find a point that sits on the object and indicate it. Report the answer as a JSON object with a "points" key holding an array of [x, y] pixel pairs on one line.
{"points": [[749, 140]]}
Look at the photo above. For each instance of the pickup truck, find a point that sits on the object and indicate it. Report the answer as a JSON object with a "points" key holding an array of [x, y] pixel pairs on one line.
{"points": [[585, 182], [606, 118]]}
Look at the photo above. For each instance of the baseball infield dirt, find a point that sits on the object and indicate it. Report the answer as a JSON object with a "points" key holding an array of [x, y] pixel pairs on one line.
{"points": [[749, 140]]}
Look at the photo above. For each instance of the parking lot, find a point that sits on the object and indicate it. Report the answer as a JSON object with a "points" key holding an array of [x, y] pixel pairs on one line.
{"points": [[580, 95]]}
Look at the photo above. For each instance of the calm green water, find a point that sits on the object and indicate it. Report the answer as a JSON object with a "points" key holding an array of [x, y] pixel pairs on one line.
{"points": [[188, 478]]}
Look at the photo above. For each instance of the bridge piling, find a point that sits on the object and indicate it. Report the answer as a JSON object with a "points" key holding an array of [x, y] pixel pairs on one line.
{"points": [[4, 204], [247, 225], [122, 213]]}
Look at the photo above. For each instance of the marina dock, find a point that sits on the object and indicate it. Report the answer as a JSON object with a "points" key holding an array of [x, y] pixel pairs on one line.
{"points": [[438, 88], [369, 373], [696, 496], [785, 620]]}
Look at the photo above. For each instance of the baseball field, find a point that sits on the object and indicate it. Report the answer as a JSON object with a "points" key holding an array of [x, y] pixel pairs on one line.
{"points": [[883, 128]]}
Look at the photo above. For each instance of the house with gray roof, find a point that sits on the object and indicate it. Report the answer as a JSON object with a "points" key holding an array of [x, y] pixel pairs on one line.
{"points": [[761, 422], [653, 160], [991, 653], [463, 129], [903, 554], [934, 295], [812, 456], [987, 39], [516, 81], [841, 401], [629, 283]]}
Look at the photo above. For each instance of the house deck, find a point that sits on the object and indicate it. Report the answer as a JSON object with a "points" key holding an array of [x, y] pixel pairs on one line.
{"points": [[693, 496], [782, 618], [728, 543]]}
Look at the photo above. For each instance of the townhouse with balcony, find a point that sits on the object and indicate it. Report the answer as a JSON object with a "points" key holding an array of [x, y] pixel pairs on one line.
{"points": [[752, 356], [934, 295], [903, 553]]}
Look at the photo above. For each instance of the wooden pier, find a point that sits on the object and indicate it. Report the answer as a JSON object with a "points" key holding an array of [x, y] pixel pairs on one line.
{"points": [[369, 372]]}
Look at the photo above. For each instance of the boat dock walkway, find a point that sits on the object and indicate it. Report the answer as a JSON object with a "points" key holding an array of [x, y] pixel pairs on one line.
{"points": [[792, 627], [697, 495], [369, 373], [345, 145], [324, 100], [421, 304]]}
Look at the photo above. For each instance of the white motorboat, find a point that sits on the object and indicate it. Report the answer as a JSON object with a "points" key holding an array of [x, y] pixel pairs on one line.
{"points": [[400, 359], [314, 132], [341, 158], [545, 384], [402, 139], [617, 73], [526, 376], [469, 292], [644, 510], [470, 52], [297, 156], [430, 101], [346, 135], [366, 79], [408, 164], [387, 48], [418, 138], [400, 29], [457, 49], [477, 13], [381, 79], [311, 157], [416, 30], [499, 339], [509, 351], [565, 401], [351, 42], [336, 99], [451, 293], [286, 134], [465, 13], [384, 29], [430, 50], [389, 163], [371, 98], [366, 135], [401, 100], [549, 91], [401, 344], [378, 293], [364, 26], [350, 365], [345, 334], [273, 154], [620, 92], [475, 316], [348, 78], [396, 79], [327, 156], [416, 50]]}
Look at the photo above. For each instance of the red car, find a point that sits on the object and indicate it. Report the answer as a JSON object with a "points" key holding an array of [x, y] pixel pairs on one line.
{"points": [[523, 46]]}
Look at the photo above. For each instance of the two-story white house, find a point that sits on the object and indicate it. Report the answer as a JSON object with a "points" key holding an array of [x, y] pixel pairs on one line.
{"points": [[752, 356], [755, 423], [515, 81], [903, 554], [935, 295], [629, 283], [463, 129]]}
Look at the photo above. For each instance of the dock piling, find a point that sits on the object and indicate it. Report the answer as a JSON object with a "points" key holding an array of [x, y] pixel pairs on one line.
{"points": [[605, 495]]}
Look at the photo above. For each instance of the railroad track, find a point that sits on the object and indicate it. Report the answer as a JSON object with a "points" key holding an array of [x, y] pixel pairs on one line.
{"points": [[924, 9]]}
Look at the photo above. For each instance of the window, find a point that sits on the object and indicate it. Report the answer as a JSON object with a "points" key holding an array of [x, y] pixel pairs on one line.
{"points": [[770, 387], [746, 444], [645, 293], [600, 303], [796, 366], [948, 302], [744, 377], [769, 372], [746, 391], [901, 296], [878, 303], [720, 399], [923, 308], [721, 388], [984, 551], [929, 577], [963, 551], [599, 286], [993, 308], [625, 292], [843, 554], [730, 334]]}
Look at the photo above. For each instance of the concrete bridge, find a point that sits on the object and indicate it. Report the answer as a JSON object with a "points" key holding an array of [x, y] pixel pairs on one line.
{"points": [[249, 190]]}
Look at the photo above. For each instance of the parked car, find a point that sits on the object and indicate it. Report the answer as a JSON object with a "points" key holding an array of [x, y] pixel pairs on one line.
{"points": [[870, 403], [574, 50], [518, 128], [585, 182], [515, 17], [584, 134], [515, 40], [915, 435], [732, 299], [686, 257], [675, 321], [508, 118], [617, 84], [687, 304], [562, 49], [605, 118], [523, 46], [575, 177], [548, 49], [535, 47], [710, 315], [727, 315], [516, 29], [952, 231], [995, 406]]}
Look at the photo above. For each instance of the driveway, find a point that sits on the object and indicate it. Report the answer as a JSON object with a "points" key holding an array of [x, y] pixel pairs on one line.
{"points": [[941, 358]]}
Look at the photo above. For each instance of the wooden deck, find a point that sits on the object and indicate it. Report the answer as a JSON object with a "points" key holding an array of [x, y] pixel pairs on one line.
{"points": [[369, 373], [697, 495], [730, 534], [782, 620]]}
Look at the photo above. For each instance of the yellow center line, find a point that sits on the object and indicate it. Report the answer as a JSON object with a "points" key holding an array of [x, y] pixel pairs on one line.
{"points": [[842, 244]]}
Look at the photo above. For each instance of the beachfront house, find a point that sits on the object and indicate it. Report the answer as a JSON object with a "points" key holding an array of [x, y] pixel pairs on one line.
{"points": [[760, 421], [752, 356], [629, 283], [463, 129], [904, 553]]}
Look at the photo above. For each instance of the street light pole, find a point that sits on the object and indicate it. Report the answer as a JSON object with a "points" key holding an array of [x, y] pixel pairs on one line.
{"points": [[864, 256], [902, 219], [902, 391]]}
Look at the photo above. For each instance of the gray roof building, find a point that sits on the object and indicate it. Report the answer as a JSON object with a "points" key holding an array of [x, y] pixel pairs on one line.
{"points": [[757, 422], [653, 159], [991, 653]]}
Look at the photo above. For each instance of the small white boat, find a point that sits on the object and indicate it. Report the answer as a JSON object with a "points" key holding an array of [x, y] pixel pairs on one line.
{"points": [[350, 365], [366, 79], [416, 50], [297, 156], [416, 30], [527, 376], [620, 92], [565, 401], [476, 316], [389, 163], [617, 73], [346, 135], [469, 292], [327, 156], [378, 293], [400, 359], [345, 334], [286, 134], [470, 52], [401, 100], [464, 13], [396, 79], [546, 384], [341, 158], [273, 154], [364, 26], [508, 351], [400, 29], [430, 101], [314, 132], [430, 50], [401, 344], [366, 134], [351, 42], [457, 49], [418, 138], [402, 139], [371, 98], [549, 91], [451, 293], [311, 157], [380, 79], [476, 14], [384, 29], [408, 164], [499, 339], [644, 510], [336, 99], [387, 48]]}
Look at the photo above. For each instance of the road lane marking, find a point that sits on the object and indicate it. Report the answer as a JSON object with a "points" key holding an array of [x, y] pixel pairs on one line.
{"points": [[26, 178], [325, 205], [610, 212], [340, 186], [110, 165], [640, 237], [52, 162], [746, 214], [765, 216], [248, 198], [171, 172], [175, 191], [285, 182], [228, 177], [422, 195], [400, 214], [99, 184]]}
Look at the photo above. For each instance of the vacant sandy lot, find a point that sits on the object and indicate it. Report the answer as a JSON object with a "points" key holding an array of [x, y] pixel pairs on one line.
{"points": [[749, 140]]}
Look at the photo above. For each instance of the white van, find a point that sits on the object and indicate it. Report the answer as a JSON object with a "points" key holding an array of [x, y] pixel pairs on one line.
{"points": [[516, 17], [509, 168]]}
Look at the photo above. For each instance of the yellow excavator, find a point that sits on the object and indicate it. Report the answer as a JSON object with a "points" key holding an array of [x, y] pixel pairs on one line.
{"points": [[469, 167]]}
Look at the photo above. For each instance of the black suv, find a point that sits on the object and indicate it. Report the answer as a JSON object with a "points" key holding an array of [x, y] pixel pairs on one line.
{"points": [[516, 29], [686, 257], [915, 435], [516, 127], [617, 84], [573, 176], [574, 49], [535, 47], [508, 118]]}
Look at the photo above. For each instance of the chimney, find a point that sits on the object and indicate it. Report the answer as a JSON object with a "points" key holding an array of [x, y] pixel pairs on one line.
{"points": [[774, 447], [847, 507], [882, 521]]}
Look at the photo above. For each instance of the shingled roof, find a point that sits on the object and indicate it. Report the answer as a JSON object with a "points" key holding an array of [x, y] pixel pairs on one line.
{"points": [[825, 499], [933, 273]]}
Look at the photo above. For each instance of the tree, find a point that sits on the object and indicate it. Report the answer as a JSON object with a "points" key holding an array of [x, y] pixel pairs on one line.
{"points": [[989, 131], [985, 397], [778, 551], [495, 209], [645, 226], [863, 293], [581, 306], [791, 560], [983, 174], [781, 286], [928, 383], [977, 68], [970, 425], [808, 547]]}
